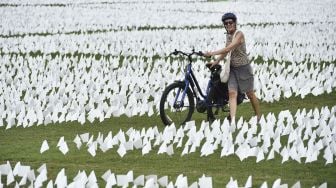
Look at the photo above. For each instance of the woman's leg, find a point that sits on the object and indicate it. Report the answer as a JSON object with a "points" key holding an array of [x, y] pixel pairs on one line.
{"points": [[255, 103], [233, 103]]}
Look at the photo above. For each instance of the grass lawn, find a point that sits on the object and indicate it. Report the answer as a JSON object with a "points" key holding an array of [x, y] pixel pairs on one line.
{"points": [[18, 144]]}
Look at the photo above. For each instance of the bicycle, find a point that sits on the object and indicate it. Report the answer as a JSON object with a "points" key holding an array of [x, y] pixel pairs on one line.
{"points": [[177, 101]]}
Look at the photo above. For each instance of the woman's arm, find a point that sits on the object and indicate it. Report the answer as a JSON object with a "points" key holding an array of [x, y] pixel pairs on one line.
{"points": [[221, 57], [238, 40]]}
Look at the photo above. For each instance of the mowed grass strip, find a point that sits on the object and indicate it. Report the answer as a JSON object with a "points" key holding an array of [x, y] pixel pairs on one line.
{"points": [[18, 144]]}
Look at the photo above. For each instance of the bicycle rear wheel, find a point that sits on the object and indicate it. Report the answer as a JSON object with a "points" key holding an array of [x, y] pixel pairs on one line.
{"points": [[174, 109]]}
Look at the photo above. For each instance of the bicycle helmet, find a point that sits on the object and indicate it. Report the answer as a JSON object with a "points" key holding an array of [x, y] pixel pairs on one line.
{"points": [[229, 15]]}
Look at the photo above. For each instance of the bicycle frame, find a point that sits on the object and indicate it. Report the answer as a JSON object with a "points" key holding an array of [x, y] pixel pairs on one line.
{"points": [[191, 81]]}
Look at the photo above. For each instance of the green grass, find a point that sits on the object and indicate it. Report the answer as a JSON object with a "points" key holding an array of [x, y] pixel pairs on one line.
{"points": [[18, 144]]}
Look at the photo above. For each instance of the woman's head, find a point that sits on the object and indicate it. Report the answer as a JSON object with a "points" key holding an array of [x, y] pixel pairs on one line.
{"points": [[230, 22]]}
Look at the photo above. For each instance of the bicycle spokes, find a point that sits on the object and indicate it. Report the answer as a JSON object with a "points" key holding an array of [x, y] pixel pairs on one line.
{"points": [[180, 101], [176, 106]]}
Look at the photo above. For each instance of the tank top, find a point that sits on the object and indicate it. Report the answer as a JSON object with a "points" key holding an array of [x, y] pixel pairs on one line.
{"points": [[238, 55]]}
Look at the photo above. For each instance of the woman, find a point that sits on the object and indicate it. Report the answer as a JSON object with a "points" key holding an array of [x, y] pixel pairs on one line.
{"points": [[241, 75]]}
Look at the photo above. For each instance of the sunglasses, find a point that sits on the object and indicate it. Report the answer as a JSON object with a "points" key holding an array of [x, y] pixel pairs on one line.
{"points": [[228, 23]]}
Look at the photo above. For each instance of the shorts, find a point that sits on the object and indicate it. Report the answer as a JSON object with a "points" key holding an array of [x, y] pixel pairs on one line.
{"points": [[241, 78]]}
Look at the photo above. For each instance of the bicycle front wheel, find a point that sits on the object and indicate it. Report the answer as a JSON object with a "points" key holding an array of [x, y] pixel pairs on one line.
{"points": [[174, 107]]}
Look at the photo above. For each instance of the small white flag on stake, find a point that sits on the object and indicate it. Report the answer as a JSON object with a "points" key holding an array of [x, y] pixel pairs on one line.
{"points": [[163, 181], [140, 180], [78, 142], [324, 185], [111, 181], [23, 181], [44, 146], [121, 151], [92, 150], [106, 175], [64, 148], [297, 185], [248, 183], [122, 180], [205, 182], [10, 177]]}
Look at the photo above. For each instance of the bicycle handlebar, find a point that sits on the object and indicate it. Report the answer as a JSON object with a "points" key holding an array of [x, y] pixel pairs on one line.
{"points": [[176, 52]]}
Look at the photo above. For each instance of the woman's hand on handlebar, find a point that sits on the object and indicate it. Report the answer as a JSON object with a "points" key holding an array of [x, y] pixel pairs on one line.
{"points": [[207, 54], [211, 64]]}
